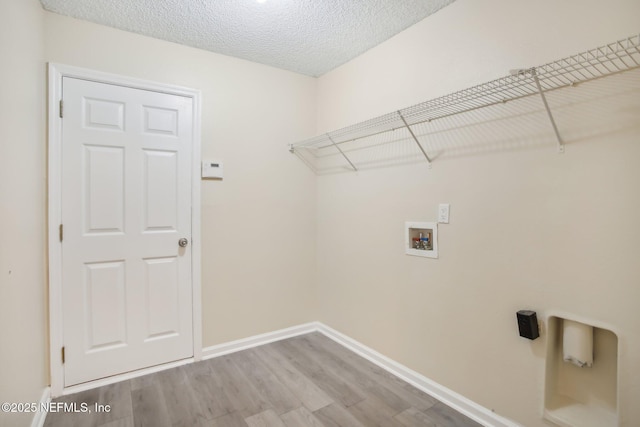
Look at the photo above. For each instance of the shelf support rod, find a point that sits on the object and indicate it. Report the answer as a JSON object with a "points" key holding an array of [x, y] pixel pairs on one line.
{"points": [[341, 152], [413, 135], [546, 106]]}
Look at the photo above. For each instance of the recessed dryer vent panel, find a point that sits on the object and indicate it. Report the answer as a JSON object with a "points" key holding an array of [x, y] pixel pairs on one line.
{"points": [[581, 387], [421, 239]]}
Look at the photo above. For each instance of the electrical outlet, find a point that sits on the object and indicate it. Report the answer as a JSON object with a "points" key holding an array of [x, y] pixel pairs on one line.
{"points": [[443, 213]]}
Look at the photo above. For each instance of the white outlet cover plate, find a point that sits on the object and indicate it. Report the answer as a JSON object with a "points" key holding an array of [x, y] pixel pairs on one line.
{"points": [[443, 213]]}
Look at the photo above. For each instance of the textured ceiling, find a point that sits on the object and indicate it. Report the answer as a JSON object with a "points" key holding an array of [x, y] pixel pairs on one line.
{"points": [[306, 36]]}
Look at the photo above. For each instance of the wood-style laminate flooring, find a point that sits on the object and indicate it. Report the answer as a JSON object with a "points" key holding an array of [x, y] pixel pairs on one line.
{"points": [[306, 381]]}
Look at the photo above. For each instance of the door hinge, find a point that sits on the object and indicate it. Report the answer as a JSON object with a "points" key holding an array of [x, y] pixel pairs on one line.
{"points": [[63, 355], [61, 232], [61, 108]]}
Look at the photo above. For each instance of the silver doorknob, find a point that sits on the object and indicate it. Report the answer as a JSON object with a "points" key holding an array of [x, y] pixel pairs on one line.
{"points": [[183, 242]]}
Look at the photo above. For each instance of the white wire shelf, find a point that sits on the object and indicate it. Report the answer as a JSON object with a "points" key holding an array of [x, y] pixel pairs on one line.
{"points": [[418, 132]]}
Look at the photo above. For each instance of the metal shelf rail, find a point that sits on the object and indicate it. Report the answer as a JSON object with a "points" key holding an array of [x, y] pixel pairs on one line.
{"points": [[403, 125]]}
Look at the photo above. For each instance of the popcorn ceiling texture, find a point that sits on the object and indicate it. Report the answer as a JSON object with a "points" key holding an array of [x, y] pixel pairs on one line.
{"points": [[305, 36]]}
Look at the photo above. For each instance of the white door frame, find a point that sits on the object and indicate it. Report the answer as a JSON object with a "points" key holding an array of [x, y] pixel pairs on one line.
{"points": [[56, 73]]}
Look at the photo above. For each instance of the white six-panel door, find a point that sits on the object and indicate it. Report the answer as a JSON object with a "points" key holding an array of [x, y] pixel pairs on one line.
{"points": [[125, 203]]}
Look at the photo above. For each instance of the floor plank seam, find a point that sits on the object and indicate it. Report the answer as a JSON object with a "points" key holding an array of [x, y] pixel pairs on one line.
{"points": [[305, 381]]}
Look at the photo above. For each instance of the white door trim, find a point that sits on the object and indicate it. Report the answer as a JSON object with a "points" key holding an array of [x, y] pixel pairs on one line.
{"points": [[56, 73]]}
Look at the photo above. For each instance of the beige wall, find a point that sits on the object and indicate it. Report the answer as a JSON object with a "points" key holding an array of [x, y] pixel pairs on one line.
{"points": [[522, 225], [23, 353], [257, 222], [529, 228]]}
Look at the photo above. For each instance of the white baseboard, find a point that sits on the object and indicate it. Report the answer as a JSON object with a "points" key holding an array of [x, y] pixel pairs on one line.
{"points": [[40, 416], [257, 340], [449, 397], [458, 402], [207, 353]]}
